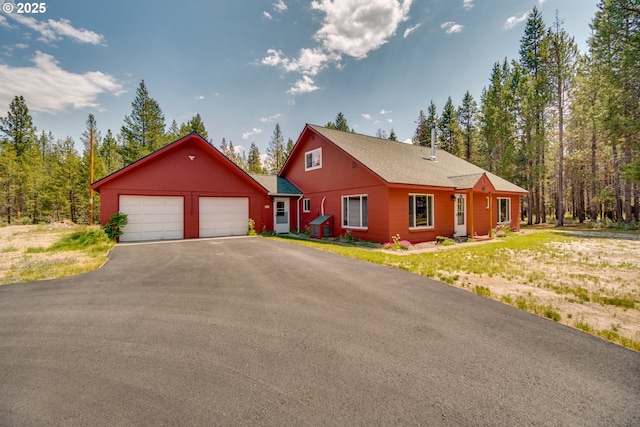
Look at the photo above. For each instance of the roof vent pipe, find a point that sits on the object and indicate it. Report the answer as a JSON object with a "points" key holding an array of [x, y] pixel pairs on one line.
{"points": [[433, 144]]}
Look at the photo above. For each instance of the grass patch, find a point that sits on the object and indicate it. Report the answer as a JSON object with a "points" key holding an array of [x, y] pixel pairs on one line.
{"points": [[78, 250], [624, 303], [482, 290]]}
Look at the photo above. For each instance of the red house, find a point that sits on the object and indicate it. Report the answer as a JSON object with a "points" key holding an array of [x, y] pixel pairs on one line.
{"points": [[333, 182], [189, 189], [376, 188]]}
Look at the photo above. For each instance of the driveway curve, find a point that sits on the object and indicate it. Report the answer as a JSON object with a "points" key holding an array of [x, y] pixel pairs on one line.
{"points": [[252, 331]]}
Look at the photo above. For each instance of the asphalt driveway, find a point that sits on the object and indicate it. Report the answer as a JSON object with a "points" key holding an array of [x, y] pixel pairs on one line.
{"points": [[253, 331]]}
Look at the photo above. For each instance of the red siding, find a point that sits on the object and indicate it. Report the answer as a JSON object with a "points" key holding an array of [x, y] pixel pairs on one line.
{"points": [[443, 214], [172, 173], [340, 175], [388, 205]]}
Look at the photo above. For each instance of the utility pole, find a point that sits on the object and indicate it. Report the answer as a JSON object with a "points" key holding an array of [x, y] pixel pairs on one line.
{"points": [[91, 178]]}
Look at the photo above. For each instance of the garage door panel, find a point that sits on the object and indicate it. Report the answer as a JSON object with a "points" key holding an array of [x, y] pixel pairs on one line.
{"points": [[223, 216], [152, 218]]}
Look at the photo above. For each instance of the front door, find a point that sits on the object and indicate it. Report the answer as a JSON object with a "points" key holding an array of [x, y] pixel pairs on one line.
{"points": [[460, 215], [281, 212]]}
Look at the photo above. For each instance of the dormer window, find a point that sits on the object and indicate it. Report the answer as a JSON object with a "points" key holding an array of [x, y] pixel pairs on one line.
{"points": [[313, 159]]}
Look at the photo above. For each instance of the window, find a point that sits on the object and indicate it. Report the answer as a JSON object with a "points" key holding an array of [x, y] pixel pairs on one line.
{"points": [[313, 159], [355, 212], [504, 210], [420, 210], [306, 205]]}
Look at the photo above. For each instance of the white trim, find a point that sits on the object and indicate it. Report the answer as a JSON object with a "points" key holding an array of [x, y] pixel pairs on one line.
{"points": [[433, 213], [352, 227], [285, 226], [508, 219], [311, 152], [306, 202]]}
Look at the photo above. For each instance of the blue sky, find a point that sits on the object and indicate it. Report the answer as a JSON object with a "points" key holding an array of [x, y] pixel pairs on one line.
{"points": [[246, 65]]}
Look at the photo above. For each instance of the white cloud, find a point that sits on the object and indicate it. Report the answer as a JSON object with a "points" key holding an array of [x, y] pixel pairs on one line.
{"points": [[467, 4], [541, 2], [4, 22], [291, 102], [350, 27], [238, 149], [199, 97], [270, 118], [48, 88], [303, 86], [356, 27], [52, 30], [267, 15], [254, 131], [366, 116], [280, 6], [408, 141], [411, 30], [383, 112], [515, 20], [451, 27]]}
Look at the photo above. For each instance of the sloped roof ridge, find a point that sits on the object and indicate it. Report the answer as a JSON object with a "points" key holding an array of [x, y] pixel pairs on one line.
{"points": [[400, 163]]}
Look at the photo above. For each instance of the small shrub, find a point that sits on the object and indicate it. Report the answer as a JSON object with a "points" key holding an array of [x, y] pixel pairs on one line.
{"points": [[113, 228], [550, 313], [444, 241], [252, 228], [482, 290], [397, 244]]}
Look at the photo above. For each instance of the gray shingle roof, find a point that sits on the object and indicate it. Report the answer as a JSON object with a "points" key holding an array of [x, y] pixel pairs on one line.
{"points": [[275, 184], [399, 163]]}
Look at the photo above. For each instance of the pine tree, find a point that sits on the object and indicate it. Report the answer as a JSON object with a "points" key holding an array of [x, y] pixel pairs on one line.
{"points": [[143, 131], [289, 148], [392, 135], [498, 122], [562, 62], [422, 135], [339, 124], [174, 132], [254, 163], [449, 129], [276, 151], [615, 48], [110, 156], [195, 124], [467, 115], [18, 127], [533, 59]]}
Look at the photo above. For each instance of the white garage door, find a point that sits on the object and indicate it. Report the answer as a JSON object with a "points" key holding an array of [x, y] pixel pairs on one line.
{"points": [[152, 218], [224, 216]]}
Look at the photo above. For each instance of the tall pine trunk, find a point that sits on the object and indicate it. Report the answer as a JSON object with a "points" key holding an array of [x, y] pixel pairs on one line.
{"points": [[617, 186], [594, 148]]}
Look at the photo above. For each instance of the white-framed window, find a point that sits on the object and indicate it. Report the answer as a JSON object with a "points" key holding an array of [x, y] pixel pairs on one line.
{"points": [[355, 211], [420, 210], [306, 205], [313, 159], [504, 210]]}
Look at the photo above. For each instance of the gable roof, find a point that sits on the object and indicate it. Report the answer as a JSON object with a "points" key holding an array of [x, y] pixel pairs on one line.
{"points": [[276, 184], [193, 137], [400, 163]]}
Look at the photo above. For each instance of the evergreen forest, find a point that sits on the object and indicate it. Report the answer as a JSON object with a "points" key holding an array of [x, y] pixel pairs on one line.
{"points": [[561, 123]]}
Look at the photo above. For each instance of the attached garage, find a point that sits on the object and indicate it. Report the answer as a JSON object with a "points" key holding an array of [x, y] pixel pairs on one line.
{"points": [[185, 190], [152, 218], [223, 216]]}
